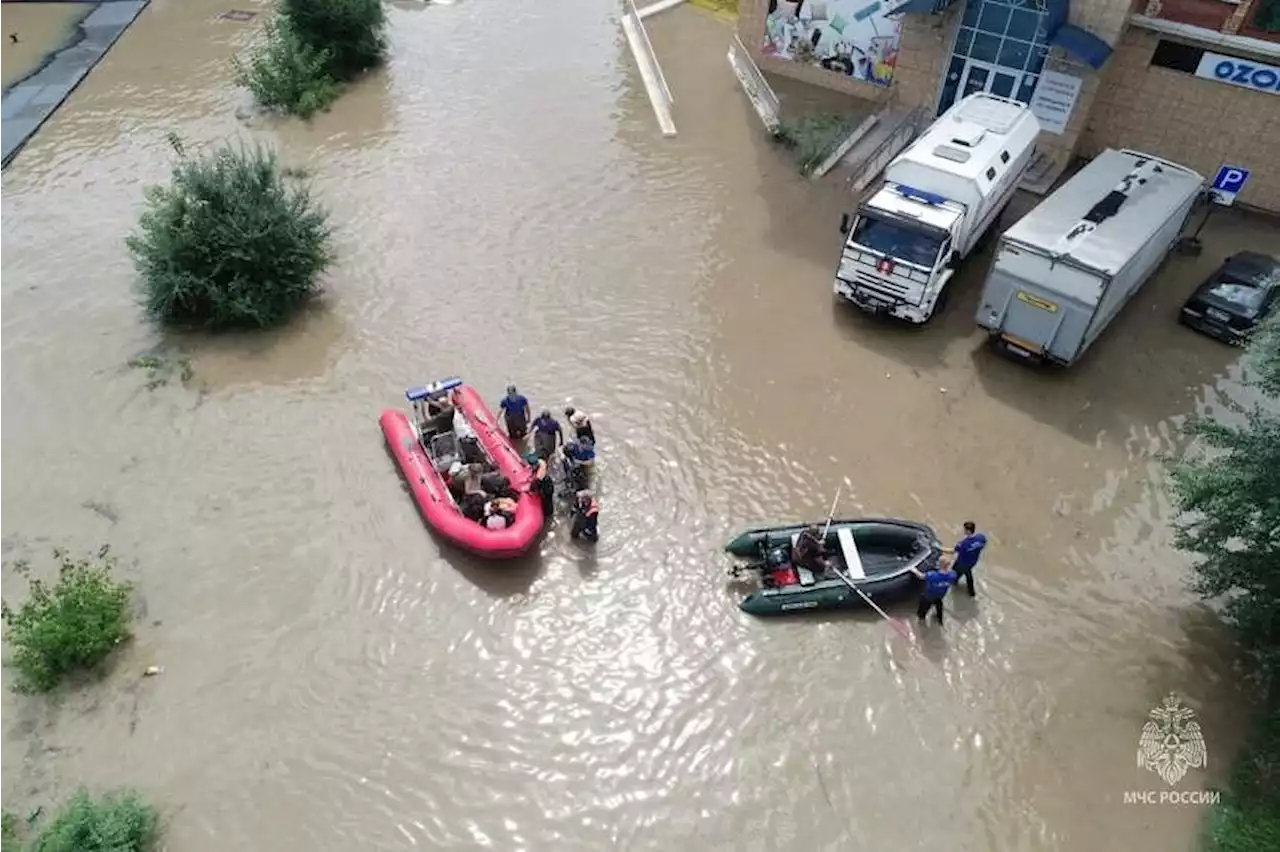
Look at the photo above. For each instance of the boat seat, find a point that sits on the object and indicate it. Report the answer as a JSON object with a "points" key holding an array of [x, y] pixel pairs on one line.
{"points": [[805, 575], [849, 550]]}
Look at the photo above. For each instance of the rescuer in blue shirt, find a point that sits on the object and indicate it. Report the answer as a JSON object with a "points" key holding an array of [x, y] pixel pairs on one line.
{"points": [[938, 579], [968, 551]]}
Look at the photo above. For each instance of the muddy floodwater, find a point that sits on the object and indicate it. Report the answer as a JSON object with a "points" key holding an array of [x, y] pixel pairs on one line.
{"points": [[40, 28], [336, 679]]}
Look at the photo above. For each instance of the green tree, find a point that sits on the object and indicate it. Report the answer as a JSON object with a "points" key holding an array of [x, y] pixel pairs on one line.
{"points": [[234, 241], [73, 624], [1229, 502]]}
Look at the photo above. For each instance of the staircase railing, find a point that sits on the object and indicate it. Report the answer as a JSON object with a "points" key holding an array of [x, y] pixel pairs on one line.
{"points": [[906, 130]]}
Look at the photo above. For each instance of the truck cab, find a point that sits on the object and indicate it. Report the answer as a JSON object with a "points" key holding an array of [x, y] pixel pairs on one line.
{"points": [[898, 256], [937, 199]]}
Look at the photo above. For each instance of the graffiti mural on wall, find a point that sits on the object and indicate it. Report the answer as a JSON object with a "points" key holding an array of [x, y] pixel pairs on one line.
{"points": [[853, 38]]}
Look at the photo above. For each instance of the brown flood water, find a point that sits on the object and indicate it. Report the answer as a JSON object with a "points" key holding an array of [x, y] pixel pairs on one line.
{"points": [[41, 28], [336, 680]]}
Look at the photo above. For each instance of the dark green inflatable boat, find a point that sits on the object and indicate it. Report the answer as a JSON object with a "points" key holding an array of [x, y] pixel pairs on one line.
{"points": [[877, 555]]}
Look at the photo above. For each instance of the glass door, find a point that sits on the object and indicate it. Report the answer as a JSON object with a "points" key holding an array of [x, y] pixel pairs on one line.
{"points": [[992, 79]]}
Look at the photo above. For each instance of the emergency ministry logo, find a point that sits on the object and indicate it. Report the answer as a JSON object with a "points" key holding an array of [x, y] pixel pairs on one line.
{"points": [[1171, 741]]}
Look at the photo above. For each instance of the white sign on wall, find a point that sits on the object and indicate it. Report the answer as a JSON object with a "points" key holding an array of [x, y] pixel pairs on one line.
{"points": [[1054, 99], [1244, 73]]}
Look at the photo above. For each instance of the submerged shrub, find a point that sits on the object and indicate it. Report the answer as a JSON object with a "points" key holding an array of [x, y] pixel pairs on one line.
{"points": [[9, 840], [72, 624], [116, 822], [286, 74], [351, 31], [310, 50], [234, 241], [813, 137]]}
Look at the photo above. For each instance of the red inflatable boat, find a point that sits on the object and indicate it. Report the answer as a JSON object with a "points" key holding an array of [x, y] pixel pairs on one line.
{"points": [[424, 463]]}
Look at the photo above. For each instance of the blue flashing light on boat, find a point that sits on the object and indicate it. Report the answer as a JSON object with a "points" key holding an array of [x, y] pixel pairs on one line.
{"points": [[930, 198], [421, 392]]}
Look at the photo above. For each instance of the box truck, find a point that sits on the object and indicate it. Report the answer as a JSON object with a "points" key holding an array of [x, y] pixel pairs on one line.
{"points": [[1064, 271], [936, 200]]}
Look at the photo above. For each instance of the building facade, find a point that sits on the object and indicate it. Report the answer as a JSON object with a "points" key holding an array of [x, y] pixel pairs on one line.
{"points": [[1193, 81]]}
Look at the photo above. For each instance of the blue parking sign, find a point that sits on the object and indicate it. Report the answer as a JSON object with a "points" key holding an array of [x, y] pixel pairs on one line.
{"points": [[1228, 183]]}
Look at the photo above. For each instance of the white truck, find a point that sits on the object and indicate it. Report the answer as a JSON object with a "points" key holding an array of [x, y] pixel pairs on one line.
{"points": [[937, 199], [1064, 271]]}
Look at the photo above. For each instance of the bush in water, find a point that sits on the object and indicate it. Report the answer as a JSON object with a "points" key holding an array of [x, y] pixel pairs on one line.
{"points": [[116, 822], [9, 840], [1229, 504], [73, 624], [230, 243], [813, 137], [351, 31], [286, 74], [311, 48]]}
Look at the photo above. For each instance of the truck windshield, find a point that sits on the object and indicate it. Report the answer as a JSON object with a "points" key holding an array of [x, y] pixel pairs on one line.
{"points": [[898, 241]]}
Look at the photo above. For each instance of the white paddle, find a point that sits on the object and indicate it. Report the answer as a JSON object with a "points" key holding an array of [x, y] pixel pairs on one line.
{"points": [[895, 623]]}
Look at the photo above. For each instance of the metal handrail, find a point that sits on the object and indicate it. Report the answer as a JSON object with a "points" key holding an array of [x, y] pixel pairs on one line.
{"points": [[909, 127]]}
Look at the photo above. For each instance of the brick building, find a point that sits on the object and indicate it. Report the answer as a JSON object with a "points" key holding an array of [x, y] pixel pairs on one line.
{"points": [[1194, 81]]}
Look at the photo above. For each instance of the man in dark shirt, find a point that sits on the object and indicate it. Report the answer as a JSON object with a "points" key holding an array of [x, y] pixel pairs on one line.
{"points": [[968, 551], [808, 550], [547, 435], [515, 411], [937, 581]]}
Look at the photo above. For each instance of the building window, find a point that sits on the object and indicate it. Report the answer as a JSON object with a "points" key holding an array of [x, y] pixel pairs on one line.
{"points": [[1177, 56], [1000, 48]]}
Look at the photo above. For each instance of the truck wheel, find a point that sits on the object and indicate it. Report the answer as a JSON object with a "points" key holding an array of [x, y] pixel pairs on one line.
{"points": [[939, 306]]}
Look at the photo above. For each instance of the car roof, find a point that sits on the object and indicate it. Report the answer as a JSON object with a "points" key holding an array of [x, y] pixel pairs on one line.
{"points": [[1259, 269]]}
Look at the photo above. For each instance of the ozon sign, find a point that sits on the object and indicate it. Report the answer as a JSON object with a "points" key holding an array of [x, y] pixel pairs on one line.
{"points": [[1239, 72]]}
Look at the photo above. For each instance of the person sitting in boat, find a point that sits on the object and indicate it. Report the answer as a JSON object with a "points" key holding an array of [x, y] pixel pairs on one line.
{"points": [[809, 551], [547, 435], [455, 481], [469, 447], [471, 480], [497, 485], [581, 424], [472, 506], [500, 513], [586, 517], [440, 413]]}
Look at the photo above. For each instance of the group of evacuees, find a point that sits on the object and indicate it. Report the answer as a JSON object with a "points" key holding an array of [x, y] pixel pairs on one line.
{"points": [[809, 551], [485, 496], [576, 457]]}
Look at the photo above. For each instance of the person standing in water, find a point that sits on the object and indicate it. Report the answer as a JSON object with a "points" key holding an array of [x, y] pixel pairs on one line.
{"points": [[542, 485], [581, 424], [968, 551], [938, 579], [586, 517], [515, 412], [547, 435]]}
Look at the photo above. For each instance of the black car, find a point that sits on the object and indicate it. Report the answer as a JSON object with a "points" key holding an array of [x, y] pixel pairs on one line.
{"points": [[1236, 298]]}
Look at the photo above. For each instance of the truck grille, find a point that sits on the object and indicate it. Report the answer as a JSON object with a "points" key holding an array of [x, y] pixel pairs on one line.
{"points": [[903, 284]]}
